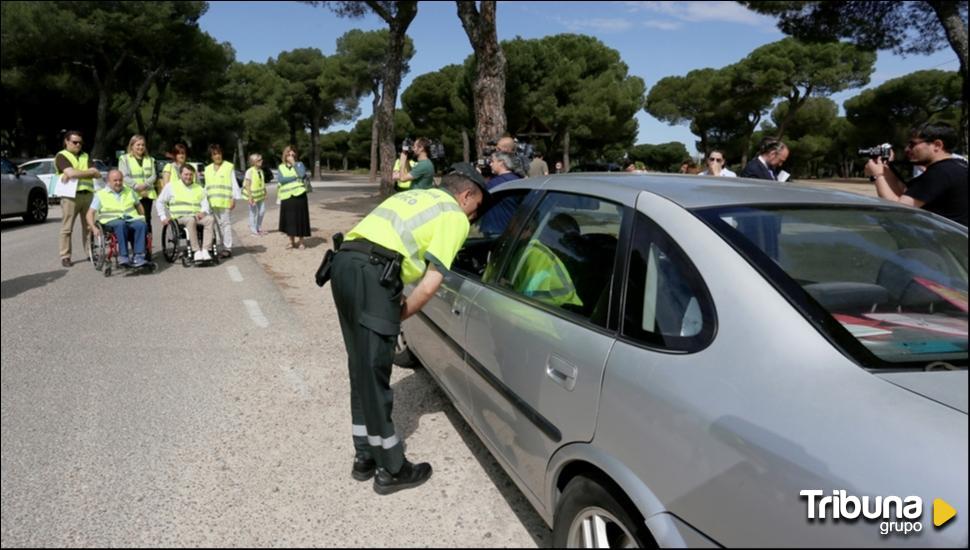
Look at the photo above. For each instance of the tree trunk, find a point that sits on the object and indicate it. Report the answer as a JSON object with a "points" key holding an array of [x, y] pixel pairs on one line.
{"points": [[160, 86], [465, 153], [374, 136], [314, 147], [795, 102], [119, 126], [565, 152], [956, 35], [241, 150], [391, 81], [489, 85]]}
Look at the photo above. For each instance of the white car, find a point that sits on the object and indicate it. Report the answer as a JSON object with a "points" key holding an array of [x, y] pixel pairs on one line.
{"points": [[44, 170], [23, 194]]}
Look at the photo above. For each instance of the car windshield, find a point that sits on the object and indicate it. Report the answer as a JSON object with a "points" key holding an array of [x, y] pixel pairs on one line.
{"points": [[894, 281]]}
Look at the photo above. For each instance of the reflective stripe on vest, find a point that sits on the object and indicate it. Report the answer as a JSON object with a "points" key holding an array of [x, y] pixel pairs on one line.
{"points": [[542, 275], [186, 201], [218, 185], [115, 208], [139, 173], [292, 189], [256, 184], [78, 163]]}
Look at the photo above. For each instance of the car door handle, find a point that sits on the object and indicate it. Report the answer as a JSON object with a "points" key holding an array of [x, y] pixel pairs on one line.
{"points": [[561, 372]]}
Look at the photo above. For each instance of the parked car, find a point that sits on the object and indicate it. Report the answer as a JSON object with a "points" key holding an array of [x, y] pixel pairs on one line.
{"points": [[661, 359], [43, 169], [22, 194]]}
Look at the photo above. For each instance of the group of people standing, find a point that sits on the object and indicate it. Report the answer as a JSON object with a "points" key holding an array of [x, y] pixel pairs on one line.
{"points": [[125, 204]]}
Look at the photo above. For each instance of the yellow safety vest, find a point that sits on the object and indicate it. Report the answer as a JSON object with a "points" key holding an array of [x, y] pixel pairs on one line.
{"points": [[402, 184], [115, 207], [218, 185], [78, 163], [256, 184], [186, 201], [540, 274], [292, 189], [417, 224], [140, 172]]}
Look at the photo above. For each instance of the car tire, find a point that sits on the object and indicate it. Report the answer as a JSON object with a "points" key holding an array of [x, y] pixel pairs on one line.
{"points": [[402, 354], [36, 207], [594, 514]]}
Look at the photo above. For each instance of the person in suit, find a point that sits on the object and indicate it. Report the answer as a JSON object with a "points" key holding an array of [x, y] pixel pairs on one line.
{"points": [[772, 153]]}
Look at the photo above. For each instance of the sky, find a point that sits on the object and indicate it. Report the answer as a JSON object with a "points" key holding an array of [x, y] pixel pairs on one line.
{"points": [[655, 39]]}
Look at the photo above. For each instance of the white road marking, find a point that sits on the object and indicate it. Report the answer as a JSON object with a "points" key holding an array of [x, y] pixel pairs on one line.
{"points": [[234, 273], [296, 380], [256, 314]]}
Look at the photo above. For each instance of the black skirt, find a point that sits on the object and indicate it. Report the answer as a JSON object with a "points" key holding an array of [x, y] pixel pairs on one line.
{"points": [[295, 216]]}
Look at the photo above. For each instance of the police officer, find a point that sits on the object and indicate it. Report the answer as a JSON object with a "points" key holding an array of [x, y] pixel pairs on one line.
{"points": [[412, 237]]}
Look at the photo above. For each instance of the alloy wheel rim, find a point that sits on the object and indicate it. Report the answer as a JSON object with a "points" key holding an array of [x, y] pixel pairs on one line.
{"points": [[594, 527], [39, 210]]}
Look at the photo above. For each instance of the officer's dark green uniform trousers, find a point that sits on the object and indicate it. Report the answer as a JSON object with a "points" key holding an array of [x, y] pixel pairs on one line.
{"points": [[370, 319]]}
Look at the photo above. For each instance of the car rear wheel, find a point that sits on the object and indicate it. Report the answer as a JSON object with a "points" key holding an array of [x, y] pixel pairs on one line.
{"points": [[590, 515], [36, 207], [402, 354]]}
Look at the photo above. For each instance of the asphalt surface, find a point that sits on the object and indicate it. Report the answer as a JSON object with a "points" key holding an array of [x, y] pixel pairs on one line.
{"points": [[207, 406]]}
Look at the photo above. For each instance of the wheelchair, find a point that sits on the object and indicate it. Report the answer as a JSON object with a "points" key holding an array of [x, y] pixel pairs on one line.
{"points": [[104, 252], [176, 245]]}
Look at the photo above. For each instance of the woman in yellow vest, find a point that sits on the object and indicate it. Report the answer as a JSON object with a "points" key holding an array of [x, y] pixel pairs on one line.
{"points": [[179, 155], [119, 210], [138, 169], [222, 190], [254, 185], [294, 208]]}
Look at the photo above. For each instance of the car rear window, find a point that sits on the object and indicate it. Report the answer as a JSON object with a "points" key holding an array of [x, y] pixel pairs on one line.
{"points": [[892, 283]]}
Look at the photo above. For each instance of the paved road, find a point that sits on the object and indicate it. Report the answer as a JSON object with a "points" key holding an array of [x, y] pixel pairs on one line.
{"points": [[207, 407]]}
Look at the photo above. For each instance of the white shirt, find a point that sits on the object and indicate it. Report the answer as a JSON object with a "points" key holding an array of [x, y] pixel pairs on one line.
{"points": [[161, 204], [725, 173]]}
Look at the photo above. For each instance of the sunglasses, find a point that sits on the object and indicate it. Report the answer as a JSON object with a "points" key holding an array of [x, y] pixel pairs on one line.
{"points": [[74, 142], [717, 160]]}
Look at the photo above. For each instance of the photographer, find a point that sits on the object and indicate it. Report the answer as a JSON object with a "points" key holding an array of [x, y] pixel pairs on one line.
{"points": [[941, 189], [421, 175], [509, 146]]}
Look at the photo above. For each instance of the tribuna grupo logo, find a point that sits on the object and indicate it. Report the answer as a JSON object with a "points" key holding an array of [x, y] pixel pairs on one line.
{"points": [[896, 515]]}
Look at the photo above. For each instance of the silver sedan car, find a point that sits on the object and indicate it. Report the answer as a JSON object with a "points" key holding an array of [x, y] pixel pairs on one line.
{"points": [[691, 361]]}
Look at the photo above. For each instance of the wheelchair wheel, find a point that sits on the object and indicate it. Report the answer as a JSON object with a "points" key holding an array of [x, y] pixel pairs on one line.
{"points": [[170, 242], [98, 250]]}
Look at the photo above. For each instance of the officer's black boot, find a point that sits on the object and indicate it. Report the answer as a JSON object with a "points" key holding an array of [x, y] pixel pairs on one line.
{"points": [[411, 475], [363, 468]]}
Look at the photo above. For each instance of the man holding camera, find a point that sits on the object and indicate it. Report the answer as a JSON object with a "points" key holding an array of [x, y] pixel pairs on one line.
{"points": [[421, 175], [941, 188]]}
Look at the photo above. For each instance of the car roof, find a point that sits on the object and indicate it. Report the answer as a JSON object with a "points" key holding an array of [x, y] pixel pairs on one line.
{"points": [[690, 191]]}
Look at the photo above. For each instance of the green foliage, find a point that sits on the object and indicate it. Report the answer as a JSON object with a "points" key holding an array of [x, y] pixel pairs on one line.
{"points": [[663, 157], [435, 104]]}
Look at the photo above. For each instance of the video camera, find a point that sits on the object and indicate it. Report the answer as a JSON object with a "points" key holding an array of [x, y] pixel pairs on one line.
{"points": [[879, 151], [436, 149], [521, 156]]}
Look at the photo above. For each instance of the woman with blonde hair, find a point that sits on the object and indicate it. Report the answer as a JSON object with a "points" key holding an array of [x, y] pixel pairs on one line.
{"points": [[294, 208], [138, 169]]}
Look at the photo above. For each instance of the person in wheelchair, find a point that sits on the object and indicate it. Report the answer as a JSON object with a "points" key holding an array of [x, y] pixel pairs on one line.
{"points": [[118, 209], [186, 202]]}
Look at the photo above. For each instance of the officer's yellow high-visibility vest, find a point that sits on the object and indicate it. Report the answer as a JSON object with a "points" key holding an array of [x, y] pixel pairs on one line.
{"points": [[78, 163], [419, 224], [186, 201], [292, 189], [256, 184], [540, 274], [218, 185], [114, 207], [403, 185], [140, 172]]}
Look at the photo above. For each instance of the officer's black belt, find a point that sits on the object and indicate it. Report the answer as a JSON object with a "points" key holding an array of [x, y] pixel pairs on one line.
{"points": [[371, 248]]}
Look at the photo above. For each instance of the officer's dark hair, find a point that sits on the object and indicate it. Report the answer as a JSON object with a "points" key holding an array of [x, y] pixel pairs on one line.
{"points": [[770, 145], [424, 142], [936, 131], [188, 167], [215, 148], [456, 183]]}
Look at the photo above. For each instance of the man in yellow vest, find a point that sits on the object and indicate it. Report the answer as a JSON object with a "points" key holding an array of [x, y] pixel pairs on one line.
{"points": [[412, 237], [222, 190], [118, 208], [186, 201], [71, 163]]}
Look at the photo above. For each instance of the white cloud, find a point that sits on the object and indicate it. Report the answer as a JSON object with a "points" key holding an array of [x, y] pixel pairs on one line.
{"points": [[600, 25], [726, 12], [663, 25]]}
